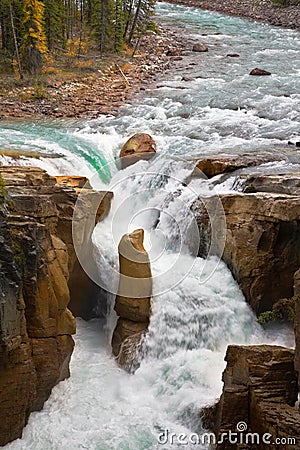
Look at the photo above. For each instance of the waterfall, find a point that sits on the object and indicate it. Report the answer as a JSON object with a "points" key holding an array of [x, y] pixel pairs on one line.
{"points": [[197, 307]]}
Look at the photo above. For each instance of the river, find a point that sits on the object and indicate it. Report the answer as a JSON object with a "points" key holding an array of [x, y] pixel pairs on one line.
{"points": [[198, 309]]}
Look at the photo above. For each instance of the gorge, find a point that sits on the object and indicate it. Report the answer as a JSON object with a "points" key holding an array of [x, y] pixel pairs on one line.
{"points": [[207, 111]]}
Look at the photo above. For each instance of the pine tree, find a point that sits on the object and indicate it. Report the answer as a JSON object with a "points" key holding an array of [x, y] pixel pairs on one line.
{"points": [[34, 40], [103, 24], [119, 26], [54, 19]]}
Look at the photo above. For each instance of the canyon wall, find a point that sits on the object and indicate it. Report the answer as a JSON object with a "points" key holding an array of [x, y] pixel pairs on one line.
{"points": [[260, 391], [262, 245], [37, 261], [262, 249]]}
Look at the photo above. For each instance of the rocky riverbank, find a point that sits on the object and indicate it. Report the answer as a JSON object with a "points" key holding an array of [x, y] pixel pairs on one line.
{"points": [[99, 88], [261, 10]]}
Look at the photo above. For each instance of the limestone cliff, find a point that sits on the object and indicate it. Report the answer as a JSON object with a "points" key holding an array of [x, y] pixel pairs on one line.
{"points": [[36, 259]]}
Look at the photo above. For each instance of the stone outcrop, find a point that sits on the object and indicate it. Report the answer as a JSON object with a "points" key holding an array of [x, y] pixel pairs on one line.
{"points": [[140, 146], [51, 202], [133, 302], [288, 183], [262, 246], [262, 243], [35, 324], [229, 163], [260, 389]]}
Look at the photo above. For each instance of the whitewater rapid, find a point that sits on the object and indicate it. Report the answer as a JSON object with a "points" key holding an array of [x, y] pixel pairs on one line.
{"points": [[197, 308]]}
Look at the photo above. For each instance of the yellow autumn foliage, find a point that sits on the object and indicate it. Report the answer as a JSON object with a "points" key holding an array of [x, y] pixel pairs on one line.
{"points": [[33, 18], [75, 46]]}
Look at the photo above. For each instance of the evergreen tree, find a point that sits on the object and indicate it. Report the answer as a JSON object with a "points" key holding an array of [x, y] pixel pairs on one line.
{"points": [[34, 40], [103, 13], [54, 20], [119, 26]]}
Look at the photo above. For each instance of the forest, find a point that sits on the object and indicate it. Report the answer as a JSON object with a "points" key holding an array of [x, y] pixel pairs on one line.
{"points": [[30, 29]]}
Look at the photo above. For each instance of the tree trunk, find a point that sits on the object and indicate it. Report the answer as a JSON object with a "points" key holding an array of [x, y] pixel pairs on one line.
{"points": [[15, 39]]}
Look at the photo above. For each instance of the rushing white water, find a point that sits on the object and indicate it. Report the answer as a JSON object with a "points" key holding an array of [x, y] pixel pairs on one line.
{"points": [[197, 309]]}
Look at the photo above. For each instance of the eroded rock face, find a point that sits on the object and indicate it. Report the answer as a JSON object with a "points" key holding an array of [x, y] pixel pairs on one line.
{"points": [[260, 389], [288, 183], [140, 146], [297, 323], [262, 244], [133, 302], [35, 323]]}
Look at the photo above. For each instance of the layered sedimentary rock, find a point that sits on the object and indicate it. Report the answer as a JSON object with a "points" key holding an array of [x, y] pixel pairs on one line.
{"points": [[262, 246], [133, 302], [230, 163], [260, 390], [36, 256], [140, 146], [262, 249]]}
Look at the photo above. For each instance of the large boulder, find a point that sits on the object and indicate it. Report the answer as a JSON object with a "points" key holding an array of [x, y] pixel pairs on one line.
{"points": [[200, 48], [229, 163], [133, 302], [140, 146]]}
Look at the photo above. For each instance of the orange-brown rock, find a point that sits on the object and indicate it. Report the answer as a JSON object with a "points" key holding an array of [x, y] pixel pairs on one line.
{"points": [[133, 302], [140, 146], [260, 389], [36, 255], [262, 244], [51, 201], [288, 183], [229, 163]]}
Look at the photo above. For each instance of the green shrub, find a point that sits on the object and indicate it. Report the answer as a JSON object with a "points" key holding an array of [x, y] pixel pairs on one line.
{"points": [[3, 191], [283, 311]]}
